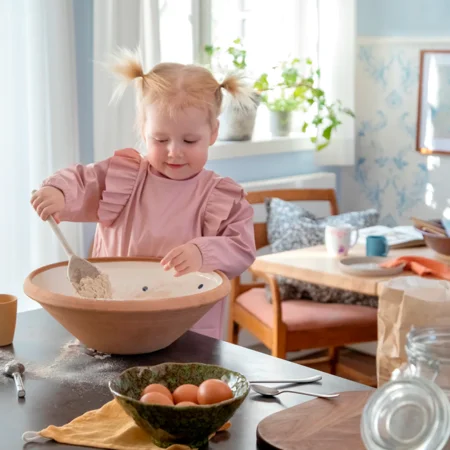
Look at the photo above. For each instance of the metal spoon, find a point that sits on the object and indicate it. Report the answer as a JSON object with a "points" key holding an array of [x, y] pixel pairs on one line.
{"points": [[272, 392], [15, 370], [298, 381]]}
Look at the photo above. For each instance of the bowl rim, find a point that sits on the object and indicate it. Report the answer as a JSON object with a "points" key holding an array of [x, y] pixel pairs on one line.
{"points": [[138, 402], [49, 298]]}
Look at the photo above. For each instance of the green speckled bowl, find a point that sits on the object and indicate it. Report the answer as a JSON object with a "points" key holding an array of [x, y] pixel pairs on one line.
{"points": [[190, 425]]}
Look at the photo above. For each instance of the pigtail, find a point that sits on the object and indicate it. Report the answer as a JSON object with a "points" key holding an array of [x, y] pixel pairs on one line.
{"points": [[241, 94], [127, 66]]}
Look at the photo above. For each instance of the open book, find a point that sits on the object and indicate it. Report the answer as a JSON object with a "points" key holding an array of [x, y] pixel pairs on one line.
{"points": [[397, 237]]}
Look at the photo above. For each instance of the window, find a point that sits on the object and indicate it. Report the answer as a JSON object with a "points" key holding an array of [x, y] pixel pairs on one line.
{"points": [[267, 29], [176, 37]]}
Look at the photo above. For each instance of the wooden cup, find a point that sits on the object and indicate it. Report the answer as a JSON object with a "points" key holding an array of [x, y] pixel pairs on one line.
{"points": [[8, 314]]}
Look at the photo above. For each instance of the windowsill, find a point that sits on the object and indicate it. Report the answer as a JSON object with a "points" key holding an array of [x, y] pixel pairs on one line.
{"points": [[260, 145]]}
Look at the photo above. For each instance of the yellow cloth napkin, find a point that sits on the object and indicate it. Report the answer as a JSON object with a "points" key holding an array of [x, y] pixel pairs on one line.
{"points": [[108, 427]]}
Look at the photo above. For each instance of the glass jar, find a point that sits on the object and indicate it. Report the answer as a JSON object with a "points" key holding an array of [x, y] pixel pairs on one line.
{"points": [[428, 351], [407, 413]]}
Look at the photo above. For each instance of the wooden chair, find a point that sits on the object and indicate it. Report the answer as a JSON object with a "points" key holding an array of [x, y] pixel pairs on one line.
{"points": [[295, 325]]}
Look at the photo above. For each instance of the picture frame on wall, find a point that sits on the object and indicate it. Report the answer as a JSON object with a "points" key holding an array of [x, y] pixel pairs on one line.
{"points": [[433, 117]]}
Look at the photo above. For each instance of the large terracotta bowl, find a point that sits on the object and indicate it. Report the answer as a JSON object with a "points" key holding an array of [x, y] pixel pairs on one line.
{"points": [[150, 311]]}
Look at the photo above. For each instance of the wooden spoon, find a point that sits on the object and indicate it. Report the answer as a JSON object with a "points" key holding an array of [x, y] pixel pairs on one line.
{"points": [[429, 226], [78, 268]]}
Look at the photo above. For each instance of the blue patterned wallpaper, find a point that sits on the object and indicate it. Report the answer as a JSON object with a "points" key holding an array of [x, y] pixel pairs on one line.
{"points": [[389, 174]]}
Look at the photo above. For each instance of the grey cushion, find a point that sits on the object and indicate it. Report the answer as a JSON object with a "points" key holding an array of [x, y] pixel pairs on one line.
{"points": [[281, 215], [290, 227]]}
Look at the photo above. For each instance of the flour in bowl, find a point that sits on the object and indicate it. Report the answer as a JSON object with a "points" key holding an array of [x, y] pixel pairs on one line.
{"points": [[98, 287]]}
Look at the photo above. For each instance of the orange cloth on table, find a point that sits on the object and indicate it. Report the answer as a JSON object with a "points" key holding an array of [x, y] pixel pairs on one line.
{"points": [[421, 266], [108, 427]]}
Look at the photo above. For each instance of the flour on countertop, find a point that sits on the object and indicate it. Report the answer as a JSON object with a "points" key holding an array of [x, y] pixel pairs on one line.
{"points": [[76, 365], [5, 357]]}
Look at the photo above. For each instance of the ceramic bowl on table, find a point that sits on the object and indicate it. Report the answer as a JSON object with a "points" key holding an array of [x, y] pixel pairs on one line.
{"points": [[167, 425], [150, 311], [440, 244]]}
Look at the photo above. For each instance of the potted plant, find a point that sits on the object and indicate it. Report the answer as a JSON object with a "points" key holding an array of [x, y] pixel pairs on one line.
{"points": [[236, 122], [295, 86]]}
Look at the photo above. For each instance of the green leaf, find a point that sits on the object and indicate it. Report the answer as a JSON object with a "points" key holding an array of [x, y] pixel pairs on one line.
{"points": [[317, 120], [237, 41], [318, 72], [314, 139], [327, 132], [322, 146], [290, 76], [318, 92], [262, 84], [309, 61], [209, 50], [310, 101], [300, 91], [349, 112], [284, 104], [304, 127]]}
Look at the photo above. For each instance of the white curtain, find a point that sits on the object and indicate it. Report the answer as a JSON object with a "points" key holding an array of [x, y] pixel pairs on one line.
{"points": [[39, 130], [119, 23], [327, 33], [337, 58]]}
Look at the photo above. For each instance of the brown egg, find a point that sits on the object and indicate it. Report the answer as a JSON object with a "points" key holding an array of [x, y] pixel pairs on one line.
{"points": [[185, 393], [158, 388], [156, 398], [186, 404], [213, 391]]}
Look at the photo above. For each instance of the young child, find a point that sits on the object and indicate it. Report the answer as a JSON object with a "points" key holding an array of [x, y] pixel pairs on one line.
{"points": [[164, 205]]}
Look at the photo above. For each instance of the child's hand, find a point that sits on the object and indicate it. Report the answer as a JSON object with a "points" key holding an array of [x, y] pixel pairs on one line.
{"points": [[184, 259], [48, 201]]}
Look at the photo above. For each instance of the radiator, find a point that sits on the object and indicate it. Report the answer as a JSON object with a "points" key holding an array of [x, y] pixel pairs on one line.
{"points": [[319, 180]]}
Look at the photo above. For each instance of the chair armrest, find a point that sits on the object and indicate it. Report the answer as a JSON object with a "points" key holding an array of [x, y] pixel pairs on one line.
{"points": [[271, 281]]}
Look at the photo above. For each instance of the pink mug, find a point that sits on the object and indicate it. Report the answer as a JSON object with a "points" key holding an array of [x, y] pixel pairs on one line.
{"points": [[340, 239]]}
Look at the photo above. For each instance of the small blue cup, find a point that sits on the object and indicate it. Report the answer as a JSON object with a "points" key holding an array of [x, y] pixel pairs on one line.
{"points": [[377, 246]]}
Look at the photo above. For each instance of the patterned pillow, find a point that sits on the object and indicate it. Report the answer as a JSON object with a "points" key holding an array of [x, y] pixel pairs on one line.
{"points": [[280, 216], [290, 227]]}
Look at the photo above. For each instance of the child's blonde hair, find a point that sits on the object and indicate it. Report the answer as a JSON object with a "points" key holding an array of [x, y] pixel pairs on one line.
{"points": [[174, 86]]}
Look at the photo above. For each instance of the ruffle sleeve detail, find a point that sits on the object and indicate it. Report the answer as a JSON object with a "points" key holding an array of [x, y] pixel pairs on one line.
{"points": [[120, 181], [225, 195]]}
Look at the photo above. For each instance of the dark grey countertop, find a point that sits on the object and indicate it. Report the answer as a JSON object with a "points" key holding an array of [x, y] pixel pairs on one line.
{"points": [[63, 382]]}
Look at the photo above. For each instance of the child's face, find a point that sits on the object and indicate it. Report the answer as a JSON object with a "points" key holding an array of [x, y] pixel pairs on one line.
{"points": [[177, 146]]}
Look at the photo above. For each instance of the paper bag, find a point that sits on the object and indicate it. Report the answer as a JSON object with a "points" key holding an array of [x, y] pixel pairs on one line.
{"points": [[405, 302]]}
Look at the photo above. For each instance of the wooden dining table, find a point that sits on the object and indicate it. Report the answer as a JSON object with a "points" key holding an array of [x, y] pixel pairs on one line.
{"points": [[315, 265]]}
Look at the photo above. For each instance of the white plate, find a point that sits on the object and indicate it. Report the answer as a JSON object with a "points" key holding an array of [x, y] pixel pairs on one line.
{"points": [[368, 266]]}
